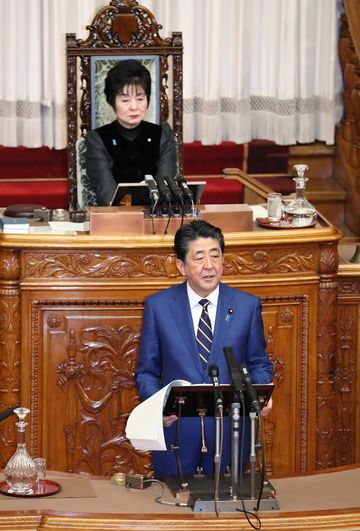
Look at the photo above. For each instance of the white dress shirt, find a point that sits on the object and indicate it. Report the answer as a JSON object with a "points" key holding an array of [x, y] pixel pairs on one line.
{"points": [[196, 308]]}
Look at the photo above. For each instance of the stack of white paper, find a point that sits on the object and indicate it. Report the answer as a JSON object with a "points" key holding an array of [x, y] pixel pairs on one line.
{"points": [[69, 226], [144, 427]]}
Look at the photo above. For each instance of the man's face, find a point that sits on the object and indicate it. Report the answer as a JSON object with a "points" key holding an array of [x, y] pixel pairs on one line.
{"points": [[203, 265], [131, 106]]}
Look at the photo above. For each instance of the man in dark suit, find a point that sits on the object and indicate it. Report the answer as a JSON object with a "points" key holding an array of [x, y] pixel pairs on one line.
{"points": [[172, 347]]}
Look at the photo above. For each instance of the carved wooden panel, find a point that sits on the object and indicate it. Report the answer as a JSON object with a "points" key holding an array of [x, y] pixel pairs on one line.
{"points": [[84, 347], [134, 264], [10, 348], [71, 321], [272, 260], [326, 356], [286, 324], [99, 265], [82, 387], [345, 383], [349, 286], [347, 389]]}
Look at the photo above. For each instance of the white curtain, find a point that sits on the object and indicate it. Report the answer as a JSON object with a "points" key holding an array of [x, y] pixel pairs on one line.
{"points": [[264, 69], [33, 68]]}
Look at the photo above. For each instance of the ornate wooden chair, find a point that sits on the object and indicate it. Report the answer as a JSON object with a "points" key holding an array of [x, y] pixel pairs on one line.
{"points": [[121, 30]]}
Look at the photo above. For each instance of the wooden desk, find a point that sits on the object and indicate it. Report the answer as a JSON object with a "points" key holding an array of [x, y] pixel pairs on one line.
{"points": [[321, 501], [71, 310]]}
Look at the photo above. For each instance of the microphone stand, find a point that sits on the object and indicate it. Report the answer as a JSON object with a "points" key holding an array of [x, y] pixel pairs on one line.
{"points": [[252, 416], [235, 442], [219, 426], [218, 451], [237, 381]]}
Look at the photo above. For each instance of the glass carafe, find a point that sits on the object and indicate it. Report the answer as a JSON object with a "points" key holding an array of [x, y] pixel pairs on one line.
{"points": [[299, 212], [20, 471]]}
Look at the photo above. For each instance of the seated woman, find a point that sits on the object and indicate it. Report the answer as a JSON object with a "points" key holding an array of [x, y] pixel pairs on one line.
{"points": [[128, 148]]}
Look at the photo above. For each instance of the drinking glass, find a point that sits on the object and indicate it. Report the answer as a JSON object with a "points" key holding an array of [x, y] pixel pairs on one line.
{"points": [[40, 463], [274, 206]]}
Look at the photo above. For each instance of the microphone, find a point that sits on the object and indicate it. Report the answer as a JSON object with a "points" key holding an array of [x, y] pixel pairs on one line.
{"points": [[174, 188], [214, 375], [153, 189], [184, 187], [163, 188], [235, 374], [249, 387], [7, 413], [165, 195]]}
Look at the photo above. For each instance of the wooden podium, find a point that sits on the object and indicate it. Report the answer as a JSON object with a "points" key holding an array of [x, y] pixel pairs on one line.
{"points": [[72, 307]]}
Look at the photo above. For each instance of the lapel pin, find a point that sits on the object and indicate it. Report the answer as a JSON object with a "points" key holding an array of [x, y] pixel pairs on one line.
{"points": [[229, 314]]}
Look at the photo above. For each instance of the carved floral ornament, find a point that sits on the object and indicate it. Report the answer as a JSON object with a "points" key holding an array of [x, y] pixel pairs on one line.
{"points": [[97, 379], [286, 315], [54, 320], [131, 265], [96, 265], [9, 265], [100, 349], [329, 259], [272, 261], [349, 286]]}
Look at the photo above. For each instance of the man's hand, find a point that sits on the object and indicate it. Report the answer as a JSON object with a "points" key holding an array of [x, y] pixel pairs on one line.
{"points": [[266, 410], [169, 420]]}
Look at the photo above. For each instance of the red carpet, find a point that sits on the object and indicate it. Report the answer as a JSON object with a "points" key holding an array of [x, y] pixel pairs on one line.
{"points": [[32, 175]]}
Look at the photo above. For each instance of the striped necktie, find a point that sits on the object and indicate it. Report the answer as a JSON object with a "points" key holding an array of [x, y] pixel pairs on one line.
{"points": [[204, 333]]}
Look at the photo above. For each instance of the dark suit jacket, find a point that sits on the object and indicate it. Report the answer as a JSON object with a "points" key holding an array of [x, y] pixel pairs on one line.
{"points": [[99, 163]]}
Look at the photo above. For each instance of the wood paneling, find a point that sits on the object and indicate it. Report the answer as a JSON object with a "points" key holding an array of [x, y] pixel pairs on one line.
{"points": [[347, 387], [70, 353]]}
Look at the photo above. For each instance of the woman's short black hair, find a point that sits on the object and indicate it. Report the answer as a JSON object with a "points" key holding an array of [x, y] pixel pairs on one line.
{"points": [[193, 231], [126, 72]]}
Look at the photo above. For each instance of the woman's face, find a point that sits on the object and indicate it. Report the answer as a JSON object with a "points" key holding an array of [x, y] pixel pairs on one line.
{"points": [[131, 106]]}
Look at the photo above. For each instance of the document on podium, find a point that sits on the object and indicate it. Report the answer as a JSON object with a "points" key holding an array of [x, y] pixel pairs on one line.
{"points": [[144, 427]]}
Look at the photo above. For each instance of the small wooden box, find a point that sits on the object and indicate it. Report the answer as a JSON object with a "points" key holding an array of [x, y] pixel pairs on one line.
{"points": [[112, 221], [230, 218]]}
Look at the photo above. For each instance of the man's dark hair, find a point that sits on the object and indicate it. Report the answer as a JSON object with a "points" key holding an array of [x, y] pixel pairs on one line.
{"points": [[126, 72], [193, 231]]}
